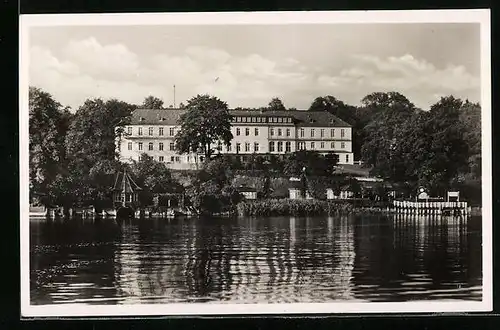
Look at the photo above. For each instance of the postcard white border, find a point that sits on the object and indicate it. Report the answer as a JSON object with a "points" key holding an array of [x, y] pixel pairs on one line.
{"points": [[481, 16]]}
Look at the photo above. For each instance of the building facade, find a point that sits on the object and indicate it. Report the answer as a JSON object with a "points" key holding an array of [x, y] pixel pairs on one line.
{"points": [[254, 132]]}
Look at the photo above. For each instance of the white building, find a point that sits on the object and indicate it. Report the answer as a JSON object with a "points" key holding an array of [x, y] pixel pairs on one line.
{"points": [[254, 132]]}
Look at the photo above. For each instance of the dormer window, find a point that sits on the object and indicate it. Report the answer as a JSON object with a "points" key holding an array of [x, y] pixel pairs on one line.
{"points": [[142, 119]]}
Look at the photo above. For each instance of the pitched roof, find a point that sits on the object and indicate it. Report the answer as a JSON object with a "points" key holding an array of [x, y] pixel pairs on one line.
{"points": [[171, 116], [124, 183]]}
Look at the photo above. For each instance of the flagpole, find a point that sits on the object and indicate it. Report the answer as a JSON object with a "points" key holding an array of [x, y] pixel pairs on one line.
{"points": [[174, 96]]}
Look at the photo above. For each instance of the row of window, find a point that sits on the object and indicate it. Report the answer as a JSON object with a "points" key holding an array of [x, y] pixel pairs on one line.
{"points": [[279, 132], [171, 131], [262, 119], [151, 146], [287, 132], [322, 132], [247, 145]]}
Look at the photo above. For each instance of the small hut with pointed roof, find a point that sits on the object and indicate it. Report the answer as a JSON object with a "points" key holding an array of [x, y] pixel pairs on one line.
{"points": [[125, 192]]}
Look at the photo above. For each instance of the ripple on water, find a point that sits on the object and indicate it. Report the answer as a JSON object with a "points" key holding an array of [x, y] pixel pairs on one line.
{"points": [[256, 261]]}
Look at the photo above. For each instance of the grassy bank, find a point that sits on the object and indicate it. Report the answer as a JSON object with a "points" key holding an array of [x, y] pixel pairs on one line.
{"points": [[292, 207]]}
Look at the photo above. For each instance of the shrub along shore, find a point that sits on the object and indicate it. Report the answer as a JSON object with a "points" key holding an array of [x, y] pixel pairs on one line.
{"points": [[300, 207]]}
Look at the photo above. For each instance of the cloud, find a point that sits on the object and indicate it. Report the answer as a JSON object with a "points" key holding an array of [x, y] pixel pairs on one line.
{"points": [[417, 79], [112, 61], [87, 68]]}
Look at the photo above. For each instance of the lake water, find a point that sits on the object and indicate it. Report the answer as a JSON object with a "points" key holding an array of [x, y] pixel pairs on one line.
{"points": [[266, 260]]}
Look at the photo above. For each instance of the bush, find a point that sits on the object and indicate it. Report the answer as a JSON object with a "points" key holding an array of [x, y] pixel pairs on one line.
{"points": [[292, 207]]}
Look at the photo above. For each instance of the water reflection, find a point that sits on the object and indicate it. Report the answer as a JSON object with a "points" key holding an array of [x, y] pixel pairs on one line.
{"points": [[256, 260]]}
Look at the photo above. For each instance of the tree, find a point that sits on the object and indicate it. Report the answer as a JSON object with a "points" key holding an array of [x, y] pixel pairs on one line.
{"points": [[90, 145], [48, 126], [470, 117], [153, 177], [389, 113], [335, 107], [206, 122], [315, 164], [276, 105], [152, 102]]}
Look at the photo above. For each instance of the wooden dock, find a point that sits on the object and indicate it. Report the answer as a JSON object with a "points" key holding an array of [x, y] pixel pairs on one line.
{"points": [[451, 208]]}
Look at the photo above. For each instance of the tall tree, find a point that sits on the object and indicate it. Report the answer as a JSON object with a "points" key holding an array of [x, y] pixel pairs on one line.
{"points": [[336, 107], [387, 114], [152, 102], [206, 121], [91, 145], [48, 126], [470, 116], [276, 105]]}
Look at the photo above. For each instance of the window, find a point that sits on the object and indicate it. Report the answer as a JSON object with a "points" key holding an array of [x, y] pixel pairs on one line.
{"points": [[342, 145], [160, 131], [280, 146], [347, 158], [139, 131], [287, 132], [322, 145], [271, 146], [160, 146], [342, 133], [312, 145], [238, 147], [150, 146], [332, 132], [280, 132], [301, 132], [237, 131], [272, 131], [160, 158], [312, 132], [140, 157], [229, 147], [322, 132], [171, 146], [189, 159], [256, 132], [332, 145], [177, 159], [171, 131], [302, 145], [237, 119], [256, 147], [129, 146], [140, 145], [172, 159], [249, 119], [288, 146], [247, 147], [150, 131], [129, 130], [247, 131]]}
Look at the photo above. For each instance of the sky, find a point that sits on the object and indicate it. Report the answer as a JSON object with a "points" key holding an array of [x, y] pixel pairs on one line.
{"points": [[248, 65]]}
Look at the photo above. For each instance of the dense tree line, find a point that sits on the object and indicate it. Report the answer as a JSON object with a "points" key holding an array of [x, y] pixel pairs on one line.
{"points": [[73, 158]]}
